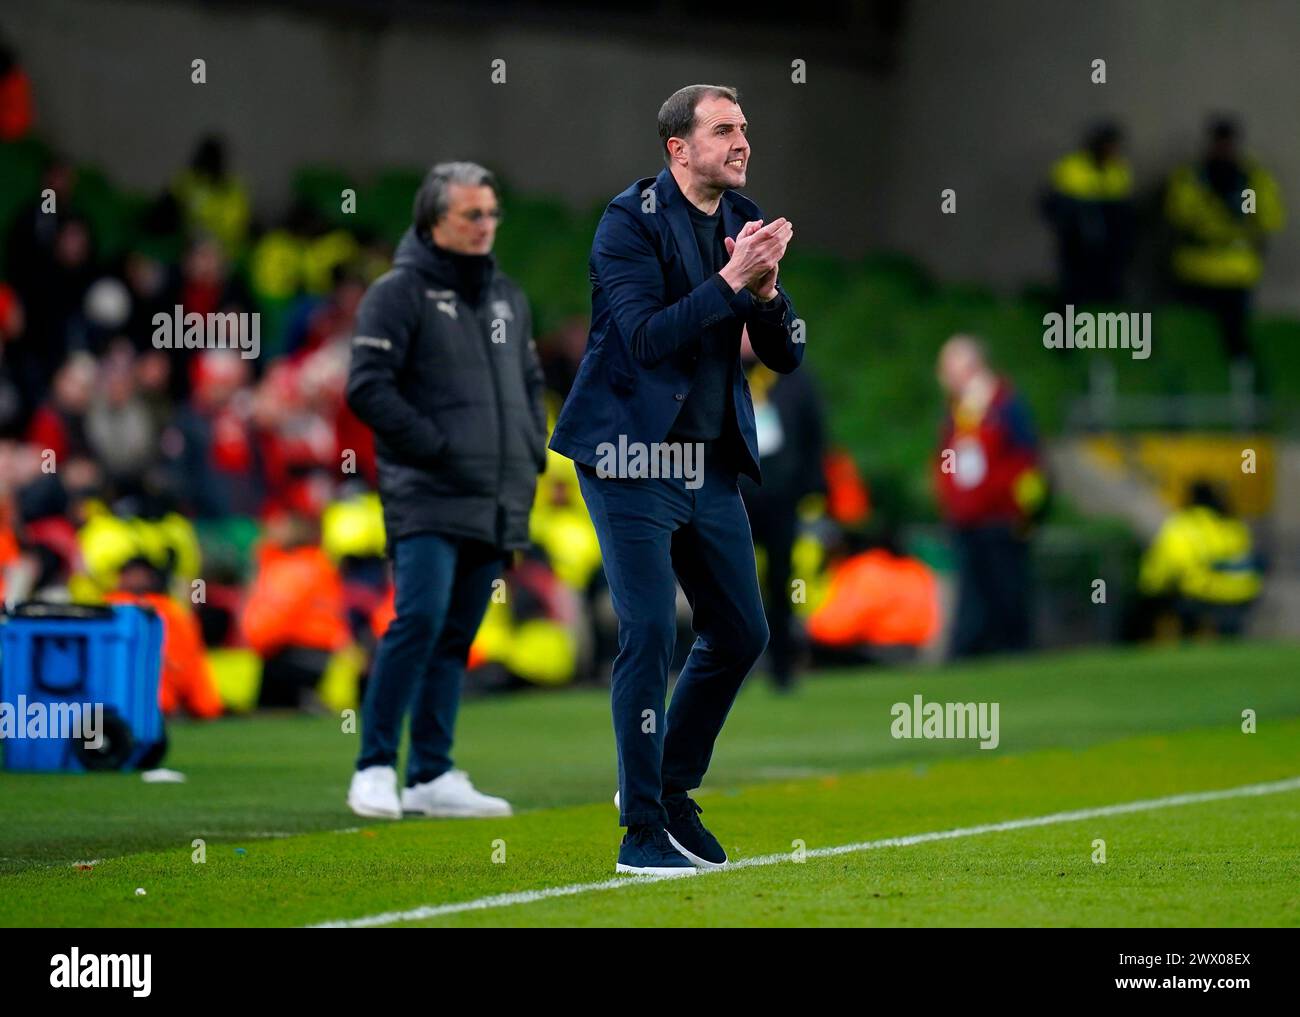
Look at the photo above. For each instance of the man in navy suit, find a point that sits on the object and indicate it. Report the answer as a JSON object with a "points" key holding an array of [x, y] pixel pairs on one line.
{"points": [[660, 424]]}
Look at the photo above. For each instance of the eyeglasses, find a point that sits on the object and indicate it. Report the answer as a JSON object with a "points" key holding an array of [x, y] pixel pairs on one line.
{"points": [[478, 215]]}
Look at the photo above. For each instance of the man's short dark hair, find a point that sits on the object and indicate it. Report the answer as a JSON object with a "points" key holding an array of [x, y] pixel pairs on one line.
{"points": [[1202, 493], [677, 114], [1223, 127], [431, 200]]}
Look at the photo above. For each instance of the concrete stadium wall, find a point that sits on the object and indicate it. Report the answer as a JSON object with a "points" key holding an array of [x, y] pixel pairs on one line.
{"points": [[989, 93], [575, 118], [985, 96]]}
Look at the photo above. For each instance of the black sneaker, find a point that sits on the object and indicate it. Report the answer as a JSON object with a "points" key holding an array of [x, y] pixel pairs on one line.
{"points": [[646, 852], [688, 835]]}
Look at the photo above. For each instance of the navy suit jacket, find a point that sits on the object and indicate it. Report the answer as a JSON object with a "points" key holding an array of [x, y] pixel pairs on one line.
{"points": [[650, 305]]}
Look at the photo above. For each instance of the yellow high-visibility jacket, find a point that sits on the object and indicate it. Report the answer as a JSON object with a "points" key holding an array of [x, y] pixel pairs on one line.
{"points": [[218, 207], [1201, 555], [1218, 245], [1079, 176]]}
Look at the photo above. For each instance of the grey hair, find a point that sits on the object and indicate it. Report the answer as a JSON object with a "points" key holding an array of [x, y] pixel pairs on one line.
{"points": [[431, 200]]}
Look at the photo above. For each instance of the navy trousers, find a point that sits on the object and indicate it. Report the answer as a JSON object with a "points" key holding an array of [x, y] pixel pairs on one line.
{"points": [[443, 587], [994, 596], [655, 533]]}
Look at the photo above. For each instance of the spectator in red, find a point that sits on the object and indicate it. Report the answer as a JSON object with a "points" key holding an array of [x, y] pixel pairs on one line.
{"points": [[209, 446], [50, 508], [334, 319], [15, 97], [295, 441], [989, 490], [59, 424], [354, 444], [322, 352], [205, 287]]}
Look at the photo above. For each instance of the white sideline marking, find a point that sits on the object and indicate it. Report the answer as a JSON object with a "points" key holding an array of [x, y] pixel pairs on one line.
{"points": [[503, 900]]}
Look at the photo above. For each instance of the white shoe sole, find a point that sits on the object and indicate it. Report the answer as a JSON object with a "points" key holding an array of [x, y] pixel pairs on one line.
{"points": [[457, 813], [652, 870], [371, 812], [694, 859]]}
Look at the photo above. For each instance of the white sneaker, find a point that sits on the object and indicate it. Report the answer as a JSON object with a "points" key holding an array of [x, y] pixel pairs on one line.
{"points": [[374, 793], [452, 795]]}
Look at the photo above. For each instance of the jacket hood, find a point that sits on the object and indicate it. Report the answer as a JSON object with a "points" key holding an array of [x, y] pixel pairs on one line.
{"points": [[443, 268]]}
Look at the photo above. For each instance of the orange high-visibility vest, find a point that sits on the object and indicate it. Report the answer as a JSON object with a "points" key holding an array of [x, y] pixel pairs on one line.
{"points": [[878, 598], [296, 600], [186, 678]]}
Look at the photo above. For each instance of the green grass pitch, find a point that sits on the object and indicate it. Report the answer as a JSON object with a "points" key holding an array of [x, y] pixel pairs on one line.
{"points": [[820, 769]]}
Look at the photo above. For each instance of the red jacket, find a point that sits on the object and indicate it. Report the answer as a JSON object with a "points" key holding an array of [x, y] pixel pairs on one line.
{"points": [[981, 460]]}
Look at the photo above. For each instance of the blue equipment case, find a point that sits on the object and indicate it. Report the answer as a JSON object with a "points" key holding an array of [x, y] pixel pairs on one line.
{"points": [[56, 654]]}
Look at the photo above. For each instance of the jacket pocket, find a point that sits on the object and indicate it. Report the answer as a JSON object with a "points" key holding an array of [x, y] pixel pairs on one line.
{"points": [[620, 379], [459, 464]]}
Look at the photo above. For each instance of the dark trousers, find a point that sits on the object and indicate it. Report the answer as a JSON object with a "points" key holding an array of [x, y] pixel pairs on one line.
{"points": [[993, 595], [1154, 616], [1199, 616], [443, 586], [653, 534], [1231, 307], [290, 674]]}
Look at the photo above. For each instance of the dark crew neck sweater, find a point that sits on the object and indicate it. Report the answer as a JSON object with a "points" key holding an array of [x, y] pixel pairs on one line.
{"points": [[706, 412]]}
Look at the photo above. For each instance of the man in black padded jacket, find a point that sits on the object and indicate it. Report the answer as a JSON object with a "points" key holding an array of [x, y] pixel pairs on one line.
{"points": [[445, 372]]}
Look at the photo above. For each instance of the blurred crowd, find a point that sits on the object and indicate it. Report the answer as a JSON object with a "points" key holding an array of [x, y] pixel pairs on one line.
{"points": [[236, 495], [119, 460]]}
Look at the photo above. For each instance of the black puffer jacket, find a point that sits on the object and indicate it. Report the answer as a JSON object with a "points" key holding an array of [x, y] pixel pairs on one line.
{"points": [[453, 392]]}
